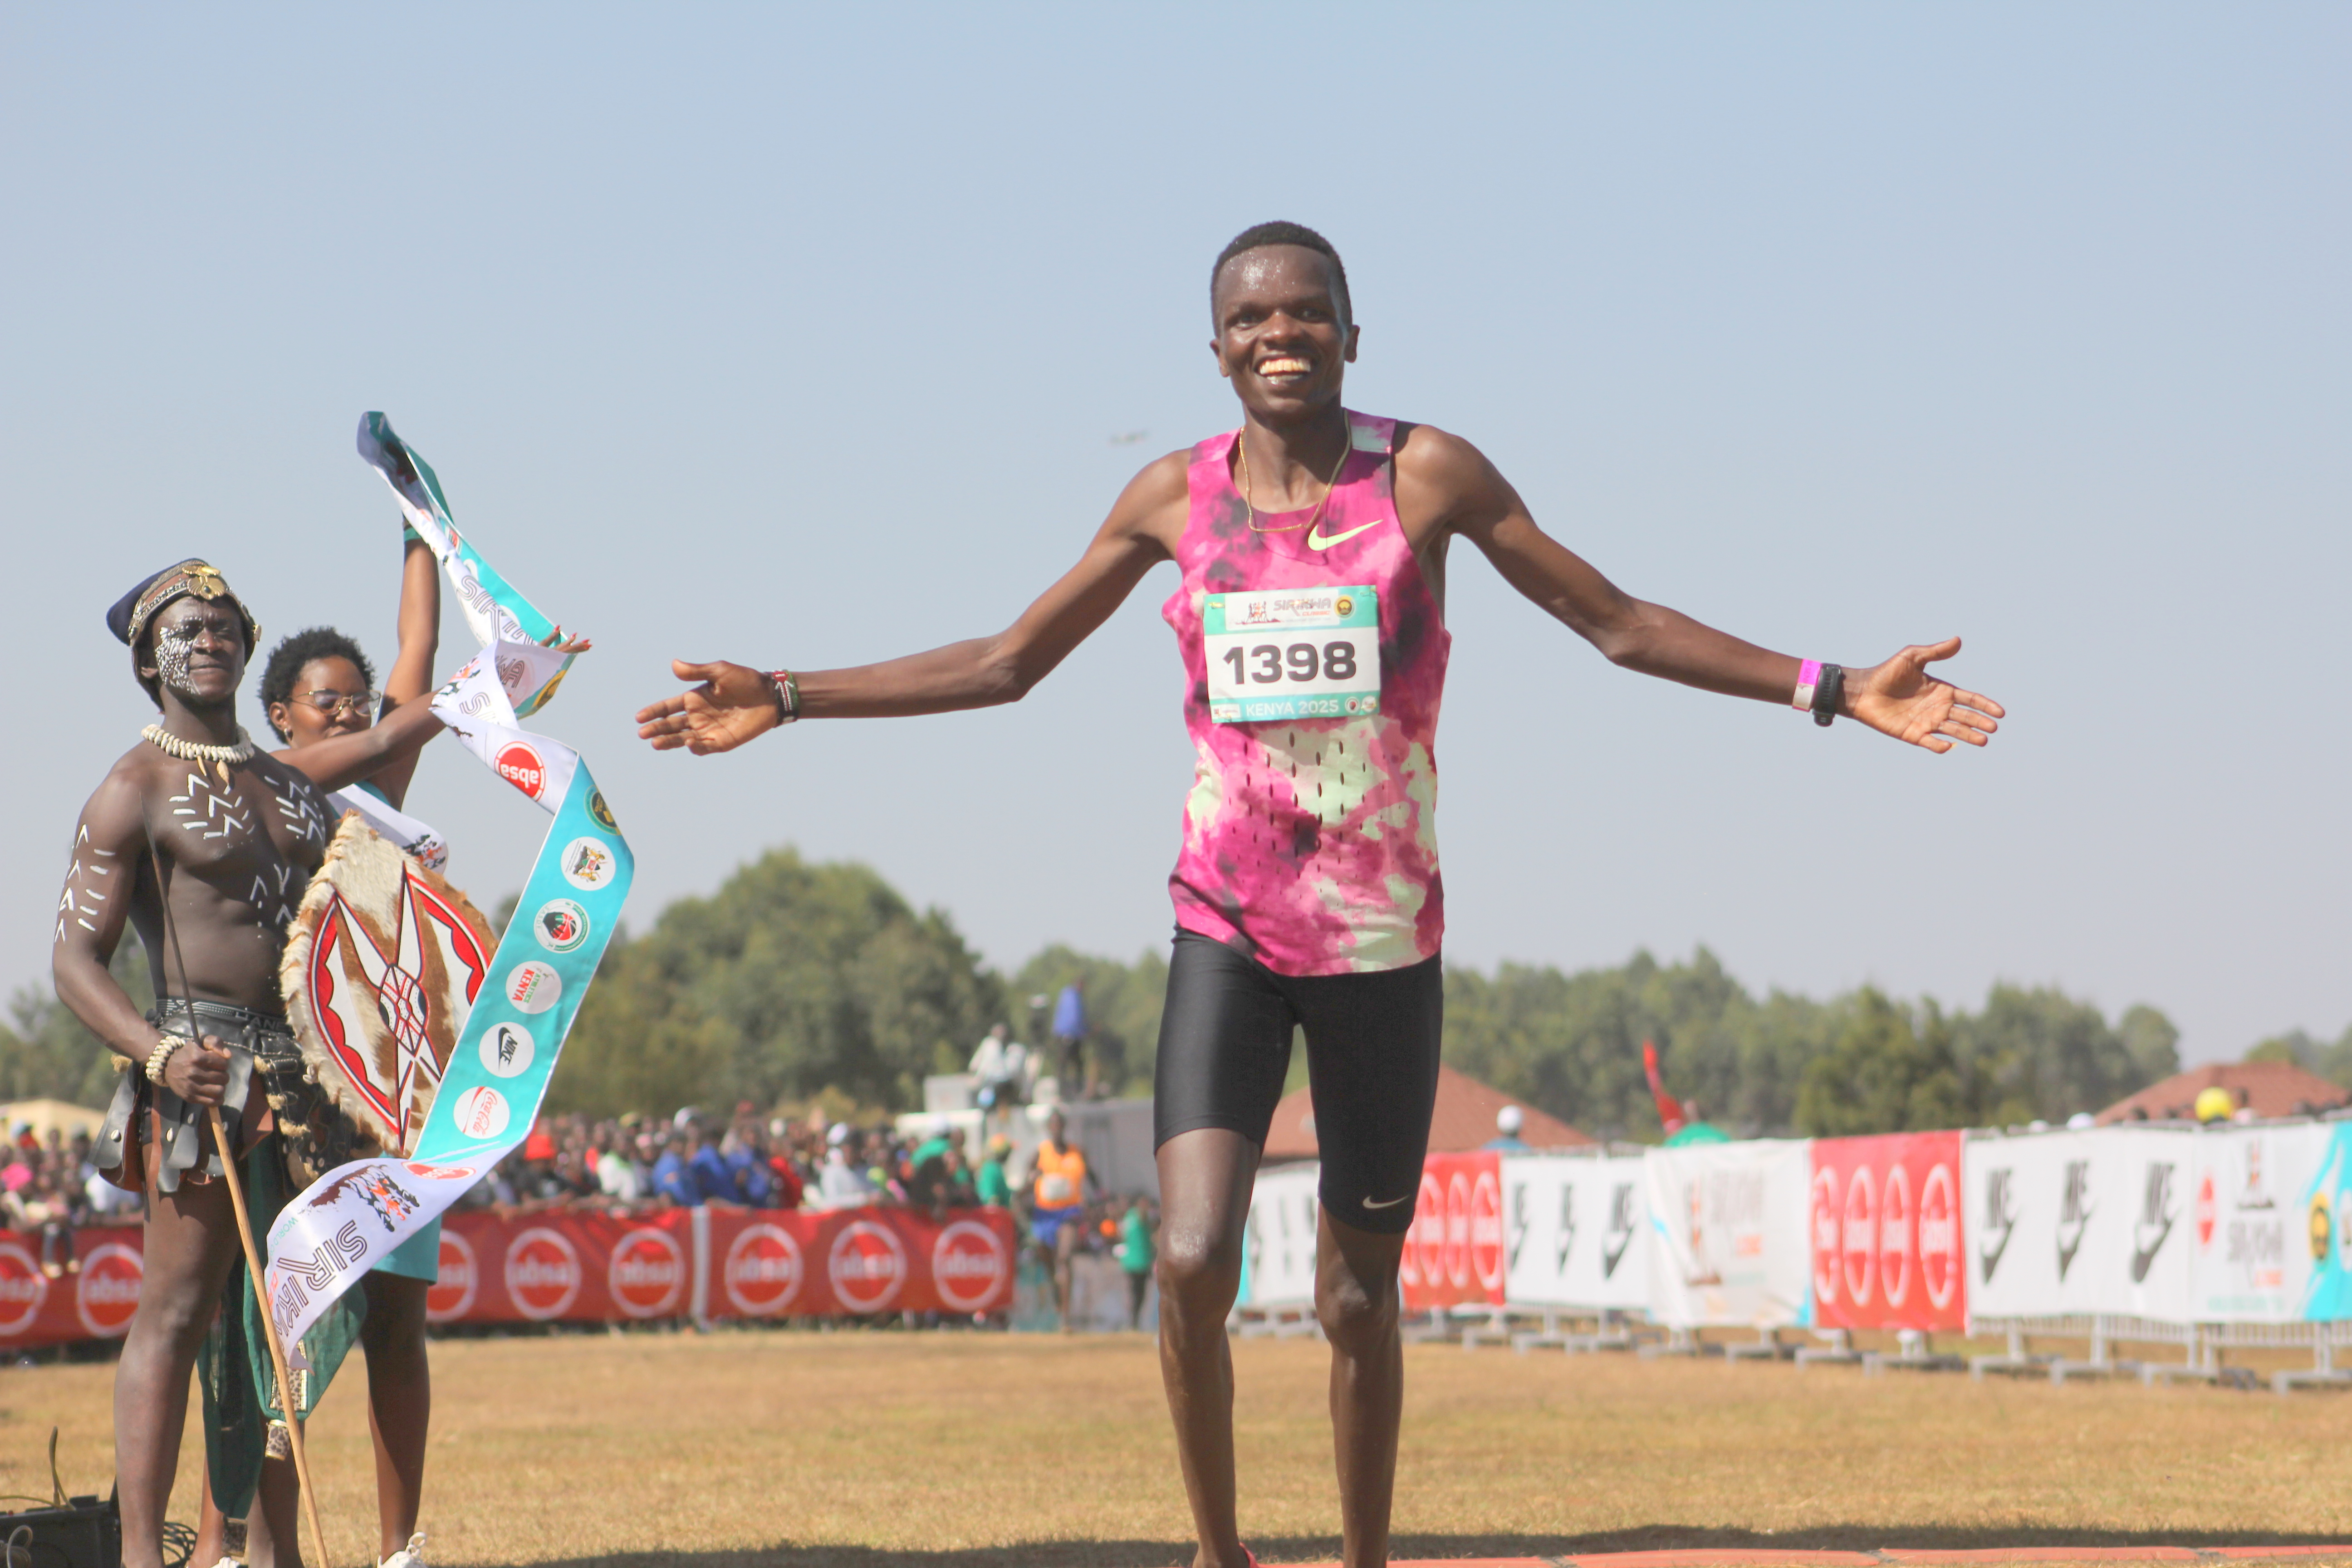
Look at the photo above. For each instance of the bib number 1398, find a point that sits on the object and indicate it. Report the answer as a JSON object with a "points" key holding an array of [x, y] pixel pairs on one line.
{"points": [[1293, 653]]}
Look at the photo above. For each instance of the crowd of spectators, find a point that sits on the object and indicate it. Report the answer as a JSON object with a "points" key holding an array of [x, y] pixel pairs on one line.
{"points": [[694, 1158], [51, 1187]]}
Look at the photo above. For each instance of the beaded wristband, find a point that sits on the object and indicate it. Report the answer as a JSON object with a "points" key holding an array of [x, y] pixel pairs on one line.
{"points": [[161, 1056], [788, 693]]}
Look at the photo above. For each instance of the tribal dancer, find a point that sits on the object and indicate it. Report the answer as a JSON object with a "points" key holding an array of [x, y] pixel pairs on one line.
{"points": [[1307, 890], [315, 688], [204, 844]]}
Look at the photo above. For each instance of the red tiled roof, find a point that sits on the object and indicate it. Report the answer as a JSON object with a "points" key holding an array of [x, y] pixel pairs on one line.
{"points": [[1465, 1119], [2268, 1088]]}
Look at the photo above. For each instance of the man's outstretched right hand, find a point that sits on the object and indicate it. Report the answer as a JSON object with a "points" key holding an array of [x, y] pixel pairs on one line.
{"points": [[732, 705]]}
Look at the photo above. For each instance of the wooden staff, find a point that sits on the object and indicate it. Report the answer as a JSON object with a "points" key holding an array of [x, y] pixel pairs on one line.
{"points": [[287, 1401]]}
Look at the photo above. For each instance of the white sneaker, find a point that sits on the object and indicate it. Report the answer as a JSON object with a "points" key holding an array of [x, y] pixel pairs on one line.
{"points": [[409, 1556]]}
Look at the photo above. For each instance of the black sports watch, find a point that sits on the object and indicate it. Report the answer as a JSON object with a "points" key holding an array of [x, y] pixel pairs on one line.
{"points": [[1829, 692]]}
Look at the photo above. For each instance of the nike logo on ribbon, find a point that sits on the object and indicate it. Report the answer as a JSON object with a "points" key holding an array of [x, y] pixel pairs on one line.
{"points": [[1392, 1202], [1317, 540]]}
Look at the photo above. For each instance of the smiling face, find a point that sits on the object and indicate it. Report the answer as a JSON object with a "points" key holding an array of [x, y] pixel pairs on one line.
{"points": [[303, 720], [195, 652], [1283, 337]]}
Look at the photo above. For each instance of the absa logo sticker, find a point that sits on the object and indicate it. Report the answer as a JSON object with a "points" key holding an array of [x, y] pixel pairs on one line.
{"points": [[441, 1173], [1939, 1237], [522, 767], [481, 1111], [1457, 1231], [970, 1265], [1825, 1236], [22, 1288], [587, 863], [763, 1270], [2209, 1210], [451, 1294], [1426, 1239], [542, 1273], [106, 1293], [1895, 1236], [867, 1267], [648, 1274], [560, 925], [1486, 1256], [1861, 1235], [533, 986]]}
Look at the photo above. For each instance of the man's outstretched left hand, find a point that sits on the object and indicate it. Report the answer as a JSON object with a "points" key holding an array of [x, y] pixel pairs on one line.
{"points": [[1899, 698]]}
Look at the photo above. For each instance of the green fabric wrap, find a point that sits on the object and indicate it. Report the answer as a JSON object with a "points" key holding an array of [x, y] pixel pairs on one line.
{"points": [[239, 1386]]}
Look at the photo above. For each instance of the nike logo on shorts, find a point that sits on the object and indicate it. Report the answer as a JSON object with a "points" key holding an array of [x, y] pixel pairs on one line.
{"points": [[1317, 540], [1392, 1202]]}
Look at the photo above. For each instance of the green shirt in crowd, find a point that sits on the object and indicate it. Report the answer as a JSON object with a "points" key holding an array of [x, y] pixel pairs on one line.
{"points": [[990, 1185], [1136, 1232]]}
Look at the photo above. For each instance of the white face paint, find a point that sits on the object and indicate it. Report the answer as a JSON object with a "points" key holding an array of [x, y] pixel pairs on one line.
{"points": [[174, 644]]}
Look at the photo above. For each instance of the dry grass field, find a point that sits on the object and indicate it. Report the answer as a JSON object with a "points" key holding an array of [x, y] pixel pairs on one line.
{"points": [[892, 1450]]}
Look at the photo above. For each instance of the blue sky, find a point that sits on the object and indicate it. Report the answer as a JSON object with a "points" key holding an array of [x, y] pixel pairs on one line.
{"points": [[804, 336]]}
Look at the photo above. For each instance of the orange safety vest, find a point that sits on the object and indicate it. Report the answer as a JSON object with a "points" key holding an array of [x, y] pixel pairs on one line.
{"points": [[1060, 1179]]}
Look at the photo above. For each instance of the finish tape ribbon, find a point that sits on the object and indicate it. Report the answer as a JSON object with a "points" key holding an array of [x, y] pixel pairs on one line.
{"points": [[328, 1238]]}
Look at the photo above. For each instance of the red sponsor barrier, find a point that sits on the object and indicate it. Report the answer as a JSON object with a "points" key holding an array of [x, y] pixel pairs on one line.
{"points": [[1886, 1230], [590, 1265], [766, 1262], [1455, 1251], [94, 1304]]}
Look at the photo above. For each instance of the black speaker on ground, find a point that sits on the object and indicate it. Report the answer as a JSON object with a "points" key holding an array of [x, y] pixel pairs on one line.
{"points": [[81, 1532]]}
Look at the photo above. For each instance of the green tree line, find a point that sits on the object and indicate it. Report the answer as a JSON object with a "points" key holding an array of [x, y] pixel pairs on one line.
{"points": [[794, 979]]}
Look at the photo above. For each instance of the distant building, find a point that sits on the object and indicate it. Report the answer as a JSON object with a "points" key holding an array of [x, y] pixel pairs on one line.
{"points": [[2267, 1088], [1465, 1119]]}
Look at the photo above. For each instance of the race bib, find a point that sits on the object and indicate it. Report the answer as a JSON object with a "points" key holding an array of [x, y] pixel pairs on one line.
{"points": [[1293, 653]]}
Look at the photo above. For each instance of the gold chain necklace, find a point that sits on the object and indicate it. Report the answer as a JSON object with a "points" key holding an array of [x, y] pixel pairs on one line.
{"points": [[1241, 445]]}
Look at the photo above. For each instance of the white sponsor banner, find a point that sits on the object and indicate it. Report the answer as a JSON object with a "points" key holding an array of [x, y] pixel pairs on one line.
{"points": [[1278, 1246], [1728, 1234], [2255, 1234], [2069, 1222], [1576, 1231]]}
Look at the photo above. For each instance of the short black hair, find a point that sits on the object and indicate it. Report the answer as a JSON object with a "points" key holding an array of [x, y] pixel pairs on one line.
{"points": [[1260, 234], [287, 659]]}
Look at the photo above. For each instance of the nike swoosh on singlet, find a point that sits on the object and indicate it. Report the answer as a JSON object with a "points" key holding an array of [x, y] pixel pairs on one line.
{"points": [[1317, 540], [1392, 1202]]}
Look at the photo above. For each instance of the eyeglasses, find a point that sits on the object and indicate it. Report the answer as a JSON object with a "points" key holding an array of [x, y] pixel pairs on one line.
{"points": [[333, 702]]}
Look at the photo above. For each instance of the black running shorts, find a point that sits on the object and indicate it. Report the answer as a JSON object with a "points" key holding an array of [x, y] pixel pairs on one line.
{"points": [[1371, 1061]]}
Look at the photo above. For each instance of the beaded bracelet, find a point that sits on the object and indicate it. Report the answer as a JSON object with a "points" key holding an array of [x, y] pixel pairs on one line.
{"points": [[788, 693], [161, 1056]]}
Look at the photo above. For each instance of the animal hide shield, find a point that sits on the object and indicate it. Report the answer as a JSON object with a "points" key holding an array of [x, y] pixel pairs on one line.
{"points": [[383, 964]]}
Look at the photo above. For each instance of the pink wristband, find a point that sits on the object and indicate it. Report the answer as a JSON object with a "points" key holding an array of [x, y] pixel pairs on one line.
{"points": [[1809, 675]]}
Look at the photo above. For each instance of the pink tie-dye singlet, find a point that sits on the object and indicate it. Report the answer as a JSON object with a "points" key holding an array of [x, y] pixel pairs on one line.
{"points": [[1311, 843]]}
